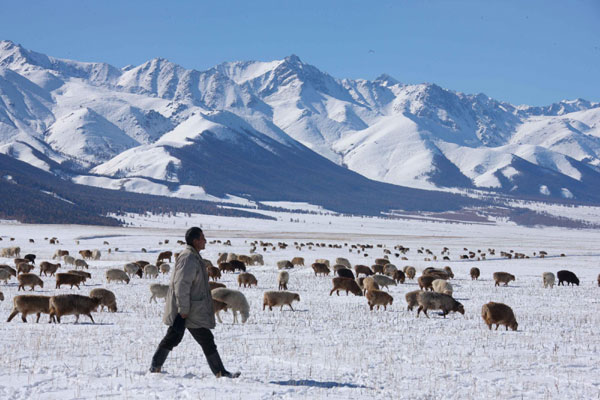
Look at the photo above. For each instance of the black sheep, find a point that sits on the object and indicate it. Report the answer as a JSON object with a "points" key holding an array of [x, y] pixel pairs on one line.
{"points": [[567, 276]]}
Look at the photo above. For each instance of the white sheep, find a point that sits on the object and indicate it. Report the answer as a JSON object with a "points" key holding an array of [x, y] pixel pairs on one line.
{"points": [[151, 271], [69, 260], [283, 278], [322, 261], [116, 275], [442, 286], [96, 254], [165, 268], [234, 300], [5, 276], [284, 264], [79, 263], [131, 269], [343, 261], [383, 281], [231, 257], [272, 298], [548, 278], [158, 291], [389, 269]]}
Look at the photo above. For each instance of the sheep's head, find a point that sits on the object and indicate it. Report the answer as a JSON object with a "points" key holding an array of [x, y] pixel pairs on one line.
{"points": [[296, 297], [459, 308], [514, 326]]}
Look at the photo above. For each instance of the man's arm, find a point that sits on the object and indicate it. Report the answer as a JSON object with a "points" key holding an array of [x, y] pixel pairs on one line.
{"points": [[184, 277]]}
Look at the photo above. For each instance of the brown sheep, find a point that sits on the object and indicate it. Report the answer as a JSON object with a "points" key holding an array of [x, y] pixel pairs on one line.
{"points": [[377, 268], [86, 254], [214, 273], [382, 261], [30, 304], [503, 277], [107, 298], [377, 298], [69, 279], [165, 255], [426, 281], [9, 269], [246, 279], [73, 304], [214, 285], [399, 276], [499, 314], [83, 274], [298, 261], [283, 298], [226, 267], [363, 269], [47, 267], [24, 267], [410, 272], [29, 280], [437, 273], [411, 299], [448, 270], [475, 273], [320, 268], [347, 284]]}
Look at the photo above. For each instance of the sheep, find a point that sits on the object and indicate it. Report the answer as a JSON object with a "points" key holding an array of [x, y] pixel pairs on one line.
{"points": [[29, 280], [107, 298], [475, 273], [141, 264], [151, 271], [377, 268], [382, 261], [320, 268], [219, 306], [10, 252], [30, 258], [116, 275], [384, 281], [222, 258], [60, 253], [448, 270], [411, 299], [410, 272], [379, 298], [131, 269], [567, 276], [343, 261], [30, 304], [69, 260], [247, 279], [24, 268], [598, 280], [73, 304], [503, 277], [369, 284], [245, 259], [1, 296], [284, 264], [436, 273], [282, 279], [81, 264], [389, 270], [322, 261], [165, 255], [9, 269], [5, 276], [548, 278], [442, 286], [96, 254], [271, 299], [234, 300], [47, 267], [438, 301], [257, 259], [345, 273], [85, 254], [362, 269], [298, 261], [164, 268], [238, 265], [399, 276], [85, 275], [214, 273], [69, 279], [214, 285], [499, 314], [347, 284], [158, 291]]}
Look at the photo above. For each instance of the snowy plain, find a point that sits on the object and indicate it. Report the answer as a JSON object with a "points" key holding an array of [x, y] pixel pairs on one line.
{"points": [[329, 347]]}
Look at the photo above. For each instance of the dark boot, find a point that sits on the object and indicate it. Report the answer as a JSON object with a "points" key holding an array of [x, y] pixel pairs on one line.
{"points": [[217, 368], [159, 359]]}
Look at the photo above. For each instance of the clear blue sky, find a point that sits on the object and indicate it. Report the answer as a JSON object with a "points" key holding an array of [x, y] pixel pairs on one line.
{"points": [[524, 52]]}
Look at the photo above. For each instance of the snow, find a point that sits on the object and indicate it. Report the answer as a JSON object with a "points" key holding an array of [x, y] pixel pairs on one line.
{"points": [[330, 346]]}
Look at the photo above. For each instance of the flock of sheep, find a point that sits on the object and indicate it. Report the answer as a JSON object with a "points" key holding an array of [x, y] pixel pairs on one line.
{"points": [[435, 287]]}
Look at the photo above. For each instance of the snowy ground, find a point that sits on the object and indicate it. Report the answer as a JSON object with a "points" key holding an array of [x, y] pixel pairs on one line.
{"points": [[331, 347]]}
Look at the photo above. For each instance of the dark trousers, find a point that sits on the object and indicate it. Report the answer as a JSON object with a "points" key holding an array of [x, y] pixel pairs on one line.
{"points": [[175, 333]]}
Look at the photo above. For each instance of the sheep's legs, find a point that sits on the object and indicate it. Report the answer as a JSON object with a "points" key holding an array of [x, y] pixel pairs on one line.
{"points": [[291, 306]]}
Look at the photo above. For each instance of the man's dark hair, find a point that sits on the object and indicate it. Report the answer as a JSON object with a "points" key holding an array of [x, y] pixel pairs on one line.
{"points": [[191, 234]]}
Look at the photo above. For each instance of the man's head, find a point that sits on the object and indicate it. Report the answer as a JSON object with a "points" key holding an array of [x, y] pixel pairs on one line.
{"points": [[195, 238]]}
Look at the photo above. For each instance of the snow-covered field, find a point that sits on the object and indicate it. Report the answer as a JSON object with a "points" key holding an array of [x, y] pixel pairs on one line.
{"points": [[331, 347]]}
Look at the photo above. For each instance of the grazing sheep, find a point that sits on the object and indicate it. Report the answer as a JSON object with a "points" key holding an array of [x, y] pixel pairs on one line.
{"points": [[30, 304], [231, 257], [30, 258], [377, 268], [362, 269], [222, 258], [369, 283], [151, 271], [438, 301], [60, 253], [389, 269], [598, 280], [234, 300], [158, 291], [1, 296], [69, 279], [410, 272], [503, 277], [237, 265], [411, 299], [48, 268], [567, 276], [73, 304], [382, 261], [5, 276], [272, 299], [320, 268], [214, 285], [475, 273], [442, 286], [499, 314], [116, 275], [384, 281], [247, 279], [219, 306], [107, 298], [322, 261], [448, 270], [343, 261], [8, 269], [10, 252], [81, 264], [96, 254], [298, 261], [284, 264], [86, 254], [399, 276], [345, 273], [245, 259], [85, 275], [164, 268], [378, 298], [29, 280], [436, 273], [24, 268], [226, 267], [142, 264], [347, 284], [131, 269], [282, 279], [257, 259], [69, 260], [214, 273], [548, 278], [165, 255]]}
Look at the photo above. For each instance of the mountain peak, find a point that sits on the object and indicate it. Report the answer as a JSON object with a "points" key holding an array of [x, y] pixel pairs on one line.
{"points": [[387, 80], [293, 59]]}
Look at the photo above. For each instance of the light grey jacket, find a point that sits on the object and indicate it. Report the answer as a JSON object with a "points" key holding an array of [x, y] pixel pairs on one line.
{"points": [[189, 292]]}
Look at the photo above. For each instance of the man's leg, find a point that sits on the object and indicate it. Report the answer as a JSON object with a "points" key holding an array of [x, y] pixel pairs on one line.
{"points": [[172, 338], [206, 340]]}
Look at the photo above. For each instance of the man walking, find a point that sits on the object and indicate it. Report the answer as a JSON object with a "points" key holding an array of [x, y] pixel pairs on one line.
{"points": [[190, 305]]}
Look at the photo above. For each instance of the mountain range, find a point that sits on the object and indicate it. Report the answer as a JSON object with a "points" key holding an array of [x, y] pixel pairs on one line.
{"points": [[285, 131]]}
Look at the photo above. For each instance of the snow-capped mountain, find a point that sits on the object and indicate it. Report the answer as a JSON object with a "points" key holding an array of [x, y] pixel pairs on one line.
{"points": [[283, 130]]}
